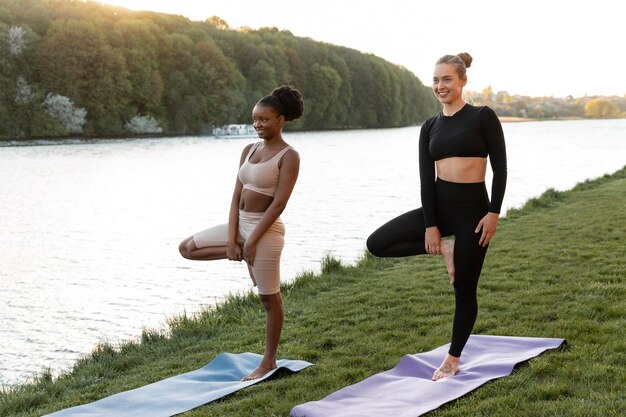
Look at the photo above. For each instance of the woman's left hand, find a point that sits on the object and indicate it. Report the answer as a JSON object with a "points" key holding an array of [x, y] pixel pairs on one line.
{"points": [[488, 226], [249, 251]]}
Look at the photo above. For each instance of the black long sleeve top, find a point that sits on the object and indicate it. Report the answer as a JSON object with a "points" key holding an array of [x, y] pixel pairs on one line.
{"points": [[470, 132]]}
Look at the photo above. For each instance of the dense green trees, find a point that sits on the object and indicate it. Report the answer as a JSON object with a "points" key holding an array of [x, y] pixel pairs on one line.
{"points": [[76, 60], [125, 70]]}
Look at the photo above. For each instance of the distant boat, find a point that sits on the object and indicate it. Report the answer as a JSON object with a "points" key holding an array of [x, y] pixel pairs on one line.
{"points": [[235, 131]]}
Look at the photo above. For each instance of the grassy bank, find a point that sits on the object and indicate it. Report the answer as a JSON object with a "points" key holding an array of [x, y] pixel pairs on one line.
{"points": [[555, 269]]}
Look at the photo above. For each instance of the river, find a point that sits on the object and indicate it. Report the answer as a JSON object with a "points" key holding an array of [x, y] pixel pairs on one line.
{"points": [[90, 231]]}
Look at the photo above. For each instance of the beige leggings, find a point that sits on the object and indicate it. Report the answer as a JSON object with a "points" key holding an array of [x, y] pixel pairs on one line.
{"points": [[266, 267]]}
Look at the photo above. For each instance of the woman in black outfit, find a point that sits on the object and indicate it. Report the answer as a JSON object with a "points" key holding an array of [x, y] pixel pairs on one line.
{"points": [[453, 151]]}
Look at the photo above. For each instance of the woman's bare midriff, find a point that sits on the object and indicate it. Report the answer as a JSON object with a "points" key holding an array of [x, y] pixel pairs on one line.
{"points": [[254, 202], [462, 170]]}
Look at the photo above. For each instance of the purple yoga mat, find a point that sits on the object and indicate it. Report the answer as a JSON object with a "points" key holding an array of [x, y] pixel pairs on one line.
{"points": [[407, 390]]}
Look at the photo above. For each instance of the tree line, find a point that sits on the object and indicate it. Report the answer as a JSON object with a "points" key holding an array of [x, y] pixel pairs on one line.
{"points": [[71, 67], [504, 104]]}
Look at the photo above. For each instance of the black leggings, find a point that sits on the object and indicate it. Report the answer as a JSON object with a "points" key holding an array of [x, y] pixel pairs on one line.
{"points": [[459, 209]]}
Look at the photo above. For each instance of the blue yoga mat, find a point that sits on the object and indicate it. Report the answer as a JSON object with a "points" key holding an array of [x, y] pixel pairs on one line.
{"points": [[171, 396], [407, 390]]}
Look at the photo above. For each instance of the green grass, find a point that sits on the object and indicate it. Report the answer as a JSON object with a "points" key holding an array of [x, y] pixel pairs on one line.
{"points": [[555, 269]]}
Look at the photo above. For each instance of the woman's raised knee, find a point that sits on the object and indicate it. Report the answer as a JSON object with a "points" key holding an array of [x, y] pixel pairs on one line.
{"points": [[184, 249], [373, 246]]}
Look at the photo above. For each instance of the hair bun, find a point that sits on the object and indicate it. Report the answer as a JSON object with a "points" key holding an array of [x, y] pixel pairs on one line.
{"points": [[467, 58], [291, 101]]}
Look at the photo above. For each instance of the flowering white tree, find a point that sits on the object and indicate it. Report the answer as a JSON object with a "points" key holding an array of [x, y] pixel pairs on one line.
{"points": [[23, 92], [16, 40], [62, 109], [143, 125]]}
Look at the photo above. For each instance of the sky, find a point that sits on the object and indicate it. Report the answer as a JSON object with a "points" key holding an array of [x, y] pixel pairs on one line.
{"points": [[533, 47]]}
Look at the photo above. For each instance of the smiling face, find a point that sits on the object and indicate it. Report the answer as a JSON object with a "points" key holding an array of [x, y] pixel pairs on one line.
{"points": [[447, 85], [266, 121]]}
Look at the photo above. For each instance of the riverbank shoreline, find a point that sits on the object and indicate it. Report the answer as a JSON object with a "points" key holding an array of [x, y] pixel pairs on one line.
{"points": [[512, 119], [353, 321], [46, 141]]}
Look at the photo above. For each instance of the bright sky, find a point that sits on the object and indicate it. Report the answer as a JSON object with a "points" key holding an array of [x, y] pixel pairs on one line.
{"points": [[532, 47]]}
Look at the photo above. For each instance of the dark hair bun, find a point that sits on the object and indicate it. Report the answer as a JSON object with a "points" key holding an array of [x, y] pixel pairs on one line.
{"points": [[290, 102], [467, 59]]}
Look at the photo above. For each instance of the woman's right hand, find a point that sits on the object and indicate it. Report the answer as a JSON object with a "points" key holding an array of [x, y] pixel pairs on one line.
{"points": [[233, 252], [432, 241]]}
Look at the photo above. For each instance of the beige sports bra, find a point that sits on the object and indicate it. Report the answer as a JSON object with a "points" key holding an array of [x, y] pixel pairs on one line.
{"points": [[261, 177]]}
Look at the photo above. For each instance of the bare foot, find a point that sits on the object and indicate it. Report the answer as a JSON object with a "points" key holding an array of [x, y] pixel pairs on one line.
{"points": [[258, 372], [447, 250], [251, 274], [449, 367]]}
